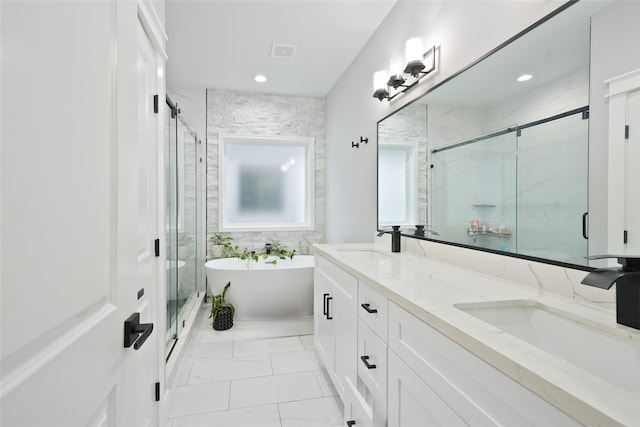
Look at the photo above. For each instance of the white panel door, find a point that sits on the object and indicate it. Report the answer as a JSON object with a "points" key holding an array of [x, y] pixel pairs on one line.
{"points": [[73, 257], [138, 216]]}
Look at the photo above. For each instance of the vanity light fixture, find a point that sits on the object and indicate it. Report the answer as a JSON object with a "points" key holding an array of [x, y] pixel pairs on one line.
{"points": [[524, 77], [415, 66]]}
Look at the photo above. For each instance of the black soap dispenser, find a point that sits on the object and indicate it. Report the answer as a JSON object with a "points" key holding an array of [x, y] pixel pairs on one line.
{"points": [[395, 238]]}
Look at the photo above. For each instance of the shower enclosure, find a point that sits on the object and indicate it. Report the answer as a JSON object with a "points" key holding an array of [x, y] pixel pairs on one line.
{"points": [[522, 189], [184, 231]]}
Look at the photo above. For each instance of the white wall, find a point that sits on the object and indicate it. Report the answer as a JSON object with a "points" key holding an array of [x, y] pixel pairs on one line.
{"points": [[615, 35], [464, 30]]}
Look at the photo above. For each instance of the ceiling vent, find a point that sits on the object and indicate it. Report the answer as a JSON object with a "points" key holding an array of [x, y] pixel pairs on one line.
{"points": [[283, 51]]}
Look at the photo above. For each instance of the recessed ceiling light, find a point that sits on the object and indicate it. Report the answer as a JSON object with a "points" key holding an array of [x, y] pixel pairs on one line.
{"points": [[524, 77], [260, 78]]}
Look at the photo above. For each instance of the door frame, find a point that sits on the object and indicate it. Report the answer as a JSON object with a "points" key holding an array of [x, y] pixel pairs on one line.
{"points": [[154, 29]]}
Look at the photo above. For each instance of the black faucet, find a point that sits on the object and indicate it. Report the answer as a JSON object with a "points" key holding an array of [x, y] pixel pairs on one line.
{"points": [[420, 230], [395, 237], [627, 280]]}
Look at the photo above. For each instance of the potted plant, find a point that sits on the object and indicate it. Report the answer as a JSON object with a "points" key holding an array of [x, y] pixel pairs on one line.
{"points": [[281, 251], [222, 311], [274, 249], [222, 246]]}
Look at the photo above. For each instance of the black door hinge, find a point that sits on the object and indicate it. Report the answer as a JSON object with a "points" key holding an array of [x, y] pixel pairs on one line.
{"points": [[625, 237], [156, 106], [157, 392], [157, 247], [626, 131]]}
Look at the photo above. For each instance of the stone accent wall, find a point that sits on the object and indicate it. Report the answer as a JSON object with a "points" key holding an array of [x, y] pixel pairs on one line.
{"points": [[260, 114]]}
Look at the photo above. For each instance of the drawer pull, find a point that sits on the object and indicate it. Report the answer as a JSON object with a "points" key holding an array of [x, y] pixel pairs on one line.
{"points": [[369, 310], [351, 423], [367, 364]]}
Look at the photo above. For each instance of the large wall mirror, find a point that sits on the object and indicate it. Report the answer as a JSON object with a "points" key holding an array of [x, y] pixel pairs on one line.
{"points": [[492, 160]]}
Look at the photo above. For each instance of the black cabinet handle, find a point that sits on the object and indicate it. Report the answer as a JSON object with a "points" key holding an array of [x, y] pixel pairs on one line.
{"points": [[584, 225], [367, 307], [351, 423], [367, 364], [324, 304], [136, 333], [328, 299]]}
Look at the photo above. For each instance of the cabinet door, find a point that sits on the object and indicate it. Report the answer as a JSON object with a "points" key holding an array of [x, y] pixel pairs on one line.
{"points": [[346, 345], [412, 402], [323, 324]]}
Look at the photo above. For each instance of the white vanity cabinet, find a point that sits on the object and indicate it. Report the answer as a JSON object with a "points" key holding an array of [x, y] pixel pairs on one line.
{"points": [[392, 369], [336, 323], [435, 381]]}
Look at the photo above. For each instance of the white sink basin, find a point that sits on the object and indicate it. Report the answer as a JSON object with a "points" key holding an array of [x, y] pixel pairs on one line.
{"points": [[365, 254], [602, 351]]}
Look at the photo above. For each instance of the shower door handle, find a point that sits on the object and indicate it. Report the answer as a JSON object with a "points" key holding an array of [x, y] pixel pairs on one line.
{"points": [[328, 299], [136, 333], [584, 225]]}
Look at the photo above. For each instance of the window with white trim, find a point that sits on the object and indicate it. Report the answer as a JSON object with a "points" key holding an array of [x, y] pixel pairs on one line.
{"points": [[266, 183]]}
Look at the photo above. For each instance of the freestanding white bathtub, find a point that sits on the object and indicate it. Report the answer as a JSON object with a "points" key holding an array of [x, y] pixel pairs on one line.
{"points": [[263, 290]]}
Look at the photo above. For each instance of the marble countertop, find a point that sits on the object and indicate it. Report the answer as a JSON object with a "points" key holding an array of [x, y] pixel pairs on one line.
{"points": [[431, 289]]}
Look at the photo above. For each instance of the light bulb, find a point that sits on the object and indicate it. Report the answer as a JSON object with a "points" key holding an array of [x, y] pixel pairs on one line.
{"points": [[395, 66], [413, 50], [380, 80]]}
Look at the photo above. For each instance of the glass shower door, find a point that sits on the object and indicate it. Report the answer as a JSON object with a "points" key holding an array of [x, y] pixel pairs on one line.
{"points": [[551, 205], [473, 187], [171, 235], [184, 256]]}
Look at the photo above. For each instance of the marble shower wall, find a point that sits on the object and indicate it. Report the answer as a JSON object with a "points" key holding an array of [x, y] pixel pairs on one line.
{"points": [[260, 114]]}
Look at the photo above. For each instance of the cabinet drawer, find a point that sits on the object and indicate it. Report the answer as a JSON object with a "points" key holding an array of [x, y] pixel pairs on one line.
{"points": [[373, 310], [372, 352], [344, 285], [479, 393], [356, 411]]}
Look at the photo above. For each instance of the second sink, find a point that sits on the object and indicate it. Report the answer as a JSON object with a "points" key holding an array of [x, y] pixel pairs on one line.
{"points": [[608, 355]]}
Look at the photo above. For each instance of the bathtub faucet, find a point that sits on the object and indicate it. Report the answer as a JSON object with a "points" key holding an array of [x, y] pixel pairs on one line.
{"points": [[267, 248]]}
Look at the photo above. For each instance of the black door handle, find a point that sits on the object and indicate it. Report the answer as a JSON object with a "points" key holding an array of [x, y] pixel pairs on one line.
{"points": [[369, 310], [136, 333], [324, 304], [584, 225], [367, 364], [328, 299]]}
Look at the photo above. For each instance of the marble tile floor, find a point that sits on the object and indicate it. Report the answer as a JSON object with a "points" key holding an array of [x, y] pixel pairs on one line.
{"points": [[256, 374]]}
